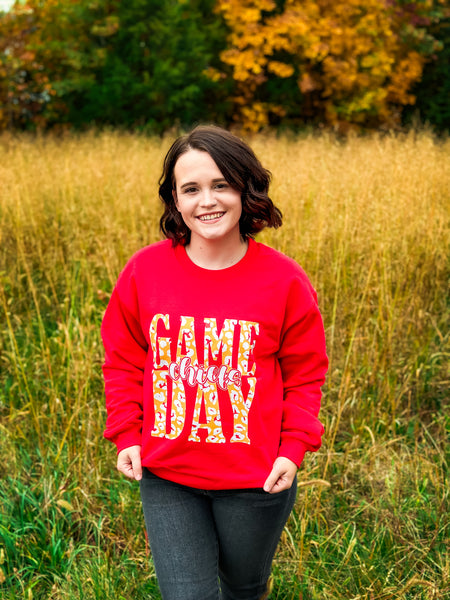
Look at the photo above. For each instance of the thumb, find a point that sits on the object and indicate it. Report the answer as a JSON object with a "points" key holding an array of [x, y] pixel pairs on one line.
{"points": [[137, 467], [281, 476], [129, 462], [271, 480]]}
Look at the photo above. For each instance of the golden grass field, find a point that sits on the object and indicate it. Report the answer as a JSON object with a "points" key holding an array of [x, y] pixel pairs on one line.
{"points": [[368, 219]]}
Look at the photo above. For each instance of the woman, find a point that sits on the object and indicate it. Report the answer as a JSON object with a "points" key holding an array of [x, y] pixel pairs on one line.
{"points": [[215, 356]]}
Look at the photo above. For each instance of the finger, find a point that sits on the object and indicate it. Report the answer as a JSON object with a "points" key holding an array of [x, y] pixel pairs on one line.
{"points": [[272, 480], [281, 485], [125, 467], [129, 462], [137, 467]]}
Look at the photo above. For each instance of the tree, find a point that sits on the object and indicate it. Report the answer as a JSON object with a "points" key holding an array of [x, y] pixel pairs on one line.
{"points": [[141, 63], [432, 92], [348, 62], [24, 84], [156, 68], [156, 64]]}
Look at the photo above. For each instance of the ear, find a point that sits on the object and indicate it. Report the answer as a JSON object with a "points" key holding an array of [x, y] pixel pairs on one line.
{"points": [[175, 198]]}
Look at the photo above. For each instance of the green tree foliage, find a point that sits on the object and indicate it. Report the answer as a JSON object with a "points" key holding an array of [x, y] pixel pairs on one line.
{"points": [[136, 63], [154, 71], [156, 64], [24, 84], [433, 90], [47, 54]]}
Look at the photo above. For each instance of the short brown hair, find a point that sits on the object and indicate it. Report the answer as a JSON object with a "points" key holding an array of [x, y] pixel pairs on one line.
{"points": [[241, 169]]}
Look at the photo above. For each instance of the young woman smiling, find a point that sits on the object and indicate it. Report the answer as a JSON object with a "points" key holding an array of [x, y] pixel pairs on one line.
{"points": [[214, 361]]}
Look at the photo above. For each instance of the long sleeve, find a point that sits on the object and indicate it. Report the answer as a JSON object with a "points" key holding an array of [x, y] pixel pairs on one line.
{"points": [[214, 373], [304, 363], [123, 369]]}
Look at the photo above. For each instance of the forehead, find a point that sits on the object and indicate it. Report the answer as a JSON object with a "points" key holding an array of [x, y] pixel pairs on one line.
{"points": [[195, 164]]}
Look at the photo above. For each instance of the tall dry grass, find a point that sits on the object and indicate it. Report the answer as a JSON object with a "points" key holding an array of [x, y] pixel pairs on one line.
{"points": [[368, 220]]}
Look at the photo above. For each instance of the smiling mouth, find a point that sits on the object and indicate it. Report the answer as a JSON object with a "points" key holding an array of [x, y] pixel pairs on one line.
{"points": [[211, 217]]}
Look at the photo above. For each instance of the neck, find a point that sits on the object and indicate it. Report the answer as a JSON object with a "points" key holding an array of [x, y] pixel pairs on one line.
{"points": [[211, 255]]}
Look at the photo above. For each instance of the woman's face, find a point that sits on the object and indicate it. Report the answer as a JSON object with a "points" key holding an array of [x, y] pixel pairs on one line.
{"points": [[209, 206]]}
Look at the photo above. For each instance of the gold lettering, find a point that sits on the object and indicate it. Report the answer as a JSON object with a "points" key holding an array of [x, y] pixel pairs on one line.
{"points": [[208, 395], [214, 343], [246, 346]]}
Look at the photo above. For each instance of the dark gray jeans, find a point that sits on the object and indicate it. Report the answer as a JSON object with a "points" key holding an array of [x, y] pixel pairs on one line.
{"points": [[212, 545]]}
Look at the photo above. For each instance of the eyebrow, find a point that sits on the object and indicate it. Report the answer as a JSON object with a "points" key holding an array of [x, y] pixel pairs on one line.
{"points": [[189, 183]]}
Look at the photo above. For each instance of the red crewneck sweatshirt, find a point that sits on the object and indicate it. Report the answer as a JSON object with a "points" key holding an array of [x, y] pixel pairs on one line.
{"points": [[214, 373]]}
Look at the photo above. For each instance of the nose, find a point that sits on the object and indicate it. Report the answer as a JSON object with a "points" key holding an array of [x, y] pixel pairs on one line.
{"points": [[208, 200]]}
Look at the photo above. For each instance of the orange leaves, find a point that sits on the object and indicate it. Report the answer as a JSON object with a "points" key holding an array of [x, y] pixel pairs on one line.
{"points": [[109, 27], [280, 69], [21, 75], [249, 11], [307, 84], [47, 48], [407, 72], [354, 62], [338, 63], [251, 46]]}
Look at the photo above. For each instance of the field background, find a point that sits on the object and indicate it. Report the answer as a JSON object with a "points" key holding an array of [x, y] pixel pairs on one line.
{"points": [[368, 220]]}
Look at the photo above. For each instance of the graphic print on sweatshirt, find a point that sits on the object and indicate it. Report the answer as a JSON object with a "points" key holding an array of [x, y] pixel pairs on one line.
{"points": [[222, 364]]}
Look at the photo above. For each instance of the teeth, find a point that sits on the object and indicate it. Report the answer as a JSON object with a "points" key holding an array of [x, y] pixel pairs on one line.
{"points": [[211, 217]]}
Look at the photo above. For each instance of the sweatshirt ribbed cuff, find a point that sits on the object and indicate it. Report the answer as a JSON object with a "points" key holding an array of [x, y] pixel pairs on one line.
{"points": [[125, 440], [294, 450]]}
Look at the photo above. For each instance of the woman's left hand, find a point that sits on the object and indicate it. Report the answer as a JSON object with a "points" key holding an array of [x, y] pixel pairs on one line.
{"points": [[281, 476]]}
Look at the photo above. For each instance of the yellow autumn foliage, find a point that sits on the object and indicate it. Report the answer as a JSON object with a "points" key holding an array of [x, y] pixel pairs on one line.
{"points": [[280, 69], [351, 61]]}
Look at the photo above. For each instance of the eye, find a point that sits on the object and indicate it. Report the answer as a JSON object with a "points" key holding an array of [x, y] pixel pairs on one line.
{"points": [[189, 190], [221, 186]]}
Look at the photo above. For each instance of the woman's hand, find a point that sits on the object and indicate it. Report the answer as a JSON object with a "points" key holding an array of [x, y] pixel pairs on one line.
{"points": [[281, 476], [129, 462]]}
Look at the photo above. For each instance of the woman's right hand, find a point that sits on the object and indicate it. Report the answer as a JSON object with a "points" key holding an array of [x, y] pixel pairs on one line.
{"points": [[129, 462]]}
